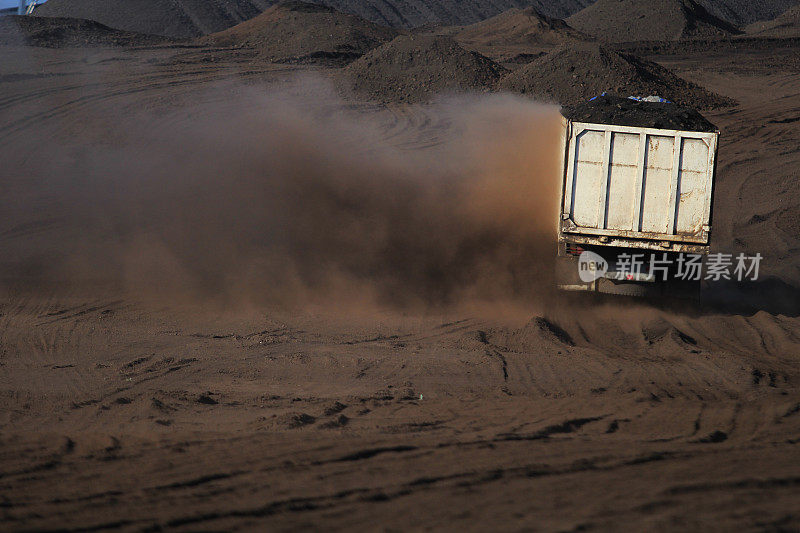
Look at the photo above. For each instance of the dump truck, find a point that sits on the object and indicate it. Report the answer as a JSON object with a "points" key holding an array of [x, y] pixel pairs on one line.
{"points": [[636, 197]]}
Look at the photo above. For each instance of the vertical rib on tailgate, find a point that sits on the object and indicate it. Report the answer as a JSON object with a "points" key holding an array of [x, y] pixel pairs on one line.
{"points": [[639, 183]]}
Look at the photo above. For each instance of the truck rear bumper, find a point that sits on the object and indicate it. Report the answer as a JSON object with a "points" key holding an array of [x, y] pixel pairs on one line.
{"points": [[642, 284], [636, 244]]}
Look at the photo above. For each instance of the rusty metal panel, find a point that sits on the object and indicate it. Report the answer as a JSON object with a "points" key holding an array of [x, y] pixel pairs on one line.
{"points": [[623, 182], [658, 178], [692, 187], [588, 177]]}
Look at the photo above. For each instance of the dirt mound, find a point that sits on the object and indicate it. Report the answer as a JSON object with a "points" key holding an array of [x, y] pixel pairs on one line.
{"points": [[300, 32], [171, 18], [519, 27], [192, 18], [539, 334], [415, 13], [415, 68], [65, 33], [611, 109], [743, 12], [293, 420], [786, 25], [573, 74], [645, 20]]}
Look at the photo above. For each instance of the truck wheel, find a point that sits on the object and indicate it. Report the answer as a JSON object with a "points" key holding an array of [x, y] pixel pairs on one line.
{"points": [[629, 288], [684, 290]]}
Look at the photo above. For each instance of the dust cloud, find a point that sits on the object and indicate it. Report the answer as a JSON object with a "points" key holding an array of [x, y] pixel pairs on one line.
{"points": [[293, 196]]}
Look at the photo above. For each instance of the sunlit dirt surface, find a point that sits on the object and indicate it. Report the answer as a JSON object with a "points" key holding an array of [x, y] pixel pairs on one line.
{"points": [[138, 411]]}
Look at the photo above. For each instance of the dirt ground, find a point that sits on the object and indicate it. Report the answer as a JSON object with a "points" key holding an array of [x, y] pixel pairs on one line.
{"points": [[125, 412]]}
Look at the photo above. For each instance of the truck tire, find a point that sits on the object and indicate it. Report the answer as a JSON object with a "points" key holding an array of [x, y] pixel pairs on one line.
{"points": [[629, 288], [684, 290]]}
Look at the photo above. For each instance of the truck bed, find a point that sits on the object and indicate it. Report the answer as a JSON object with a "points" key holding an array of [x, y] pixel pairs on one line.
{"points": [[637, 187]]}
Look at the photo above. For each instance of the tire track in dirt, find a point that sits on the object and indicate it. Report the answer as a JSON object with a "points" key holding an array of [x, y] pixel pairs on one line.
{"points": [[84, 103], [189, 418]]}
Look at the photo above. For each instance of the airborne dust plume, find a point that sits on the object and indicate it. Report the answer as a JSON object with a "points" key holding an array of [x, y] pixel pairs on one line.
{"points": [[290, 198]]}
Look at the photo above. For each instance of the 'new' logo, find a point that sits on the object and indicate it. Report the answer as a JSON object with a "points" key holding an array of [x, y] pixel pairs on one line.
{"points": [[591, 266]]}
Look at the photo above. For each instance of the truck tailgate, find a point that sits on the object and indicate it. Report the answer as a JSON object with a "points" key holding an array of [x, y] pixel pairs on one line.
{"points": [[638, 183]]}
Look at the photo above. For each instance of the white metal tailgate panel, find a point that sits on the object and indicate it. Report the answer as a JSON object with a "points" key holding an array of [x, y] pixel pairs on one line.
{"points": [[589, 150], [659, 158], [622, 184], [639, 182], [692, 186]]}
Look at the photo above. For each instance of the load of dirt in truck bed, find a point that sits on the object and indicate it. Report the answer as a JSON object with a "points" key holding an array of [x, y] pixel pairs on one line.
{"points": [[415, 68], [519, 27], [576, 73], [299, 32], [61, 32], [645, 20], [785, 26], [611, 109], [170, 18]]}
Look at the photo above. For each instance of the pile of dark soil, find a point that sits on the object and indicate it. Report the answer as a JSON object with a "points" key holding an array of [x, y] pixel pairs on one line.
{"points": [[170, 18], [66, 33], [299, 32], [416, 13], [786, 25], [192, 18], [576, 73], [415, 68], [744, 12], [611, 109], [519, 27], [646, 20]]}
